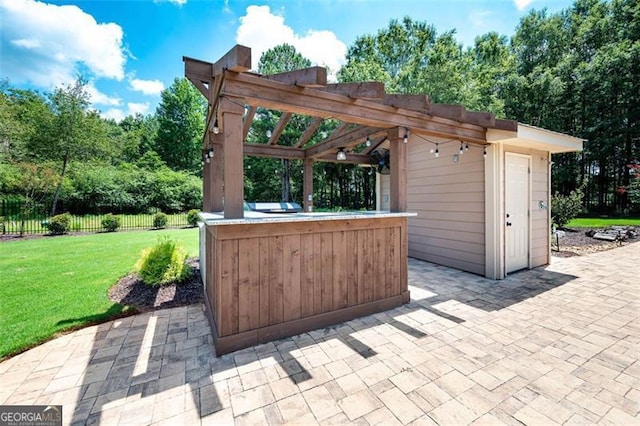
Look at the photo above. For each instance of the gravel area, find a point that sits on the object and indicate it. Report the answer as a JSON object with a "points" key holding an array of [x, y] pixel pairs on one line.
{"points": [[130, 291]]}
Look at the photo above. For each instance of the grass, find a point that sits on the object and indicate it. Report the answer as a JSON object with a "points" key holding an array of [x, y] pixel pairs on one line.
{"points": [[602, 222], [52, 284]]}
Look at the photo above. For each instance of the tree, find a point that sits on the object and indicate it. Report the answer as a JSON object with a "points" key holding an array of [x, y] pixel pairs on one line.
{"points": [[68, 131], [181, 116], [279, 59]]}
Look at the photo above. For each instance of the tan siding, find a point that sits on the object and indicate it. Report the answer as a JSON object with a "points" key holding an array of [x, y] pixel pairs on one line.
{"points": [[449, 200]]}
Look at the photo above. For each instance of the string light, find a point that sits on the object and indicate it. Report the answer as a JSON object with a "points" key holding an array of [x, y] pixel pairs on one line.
{"points": [[368, 141], [216, 129], [484, 153], [466, 147], [341, 156], [405, 139], [437, 151], [461, 148]]}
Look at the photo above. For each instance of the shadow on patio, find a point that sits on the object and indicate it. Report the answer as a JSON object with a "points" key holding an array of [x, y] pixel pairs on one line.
{"points": [[161, 365]]}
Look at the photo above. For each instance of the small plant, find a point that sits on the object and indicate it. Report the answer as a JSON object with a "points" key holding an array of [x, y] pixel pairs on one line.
{"points": [[565, 207], [110, 223], [193, 216], [59, 224], [160, 220], [163, 263]]}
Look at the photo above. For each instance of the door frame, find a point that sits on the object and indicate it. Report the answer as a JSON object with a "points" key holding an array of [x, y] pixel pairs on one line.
{"points": [[504, 221]]}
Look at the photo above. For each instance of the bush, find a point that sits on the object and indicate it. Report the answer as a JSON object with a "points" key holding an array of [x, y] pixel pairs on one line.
{"points": [[162, 264], [110, 223], [59, 224], [565, 207], [160, 220], [193, 216]]}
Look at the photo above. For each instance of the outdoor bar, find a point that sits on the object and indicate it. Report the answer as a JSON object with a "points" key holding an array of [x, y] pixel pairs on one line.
{"points": [[267, 276], [271, 277]]}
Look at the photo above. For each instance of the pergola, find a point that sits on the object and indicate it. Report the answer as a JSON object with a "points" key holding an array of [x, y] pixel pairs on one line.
{"points": [[363, 109], [271, 276]]}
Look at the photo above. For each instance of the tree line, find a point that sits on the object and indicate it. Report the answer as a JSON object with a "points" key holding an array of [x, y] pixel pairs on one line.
{"points": [[576, 71]]}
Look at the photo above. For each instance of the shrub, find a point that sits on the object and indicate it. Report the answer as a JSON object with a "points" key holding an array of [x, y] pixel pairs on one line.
{"points": [[565, 207], [160, 220], [110, 223], [59, 224], [193, 216], [163, 264]]}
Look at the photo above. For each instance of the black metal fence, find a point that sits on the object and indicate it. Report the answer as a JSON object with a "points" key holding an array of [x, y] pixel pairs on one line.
{"points": [[16, 218]]}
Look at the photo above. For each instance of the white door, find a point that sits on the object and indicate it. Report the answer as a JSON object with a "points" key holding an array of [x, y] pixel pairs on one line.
{"points": [[517, 199]]}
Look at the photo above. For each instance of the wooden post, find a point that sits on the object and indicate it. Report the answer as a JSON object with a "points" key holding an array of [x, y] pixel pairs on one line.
{"points": [[231, 112], [217, 166], [213, 175], [398, 166], [307, 202]]}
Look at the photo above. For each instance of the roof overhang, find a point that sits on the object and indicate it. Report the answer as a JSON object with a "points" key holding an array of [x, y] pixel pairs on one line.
{"points": [[532, 137]]}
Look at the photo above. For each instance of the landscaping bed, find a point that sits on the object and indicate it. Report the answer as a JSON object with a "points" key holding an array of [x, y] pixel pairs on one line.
{"points": [[576, 242], [130, 291]]}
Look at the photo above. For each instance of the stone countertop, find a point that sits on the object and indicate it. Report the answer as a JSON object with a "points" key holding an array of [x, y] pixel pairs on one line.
{"points": [[257, 217]]}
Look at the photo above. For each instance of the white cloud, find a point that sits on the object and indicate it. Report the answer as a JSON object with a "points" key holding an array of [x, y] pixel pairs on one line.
{"points": [[26, 43], [147, 87], [138, 108], [262, 30], [98, 98], [46, 44], [176, 2], [119, 114], [522, 4]]}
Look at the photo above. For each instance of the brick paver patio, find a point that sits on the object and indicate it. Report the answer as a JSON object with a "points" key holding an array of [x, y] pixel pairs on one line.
{"points": [[554, 345]]}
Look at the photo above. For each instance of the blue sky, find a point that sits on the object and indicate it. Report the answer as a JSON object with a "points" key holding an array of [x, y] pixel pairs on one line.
{"points": [[130, 50]]}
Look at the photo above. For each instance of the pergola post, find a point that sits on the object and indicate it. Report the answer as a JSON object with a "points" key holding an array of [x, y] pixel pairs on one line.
{"points": [[398, 166], [231, 131], [217, 173], [213, 175], [307, 202]]}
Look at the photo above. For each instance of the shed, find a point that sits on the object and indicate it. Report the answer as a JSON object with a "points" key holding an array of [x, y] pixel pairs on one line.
{"points": [[482, 208]]}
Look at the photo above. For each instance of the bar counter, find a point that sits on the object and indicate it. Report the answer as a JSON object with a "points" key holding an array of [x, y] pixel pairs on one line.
{"points": [[272, 275]]}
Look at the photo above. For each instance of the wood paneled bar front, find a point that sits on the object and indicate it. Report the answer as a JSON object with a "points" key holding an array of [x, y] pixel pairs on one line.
{"points": [[271, 276]]}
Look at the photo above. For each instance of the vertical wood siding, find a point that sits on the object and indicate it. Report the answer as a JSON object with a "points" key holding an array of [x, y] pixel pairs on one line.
{"points": [[269, 274]]}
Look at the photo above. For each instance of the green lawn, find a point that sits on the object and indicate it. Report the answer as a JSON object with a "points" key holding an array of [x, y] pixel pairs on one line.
{"points": [[50, 284], [602, 222]]}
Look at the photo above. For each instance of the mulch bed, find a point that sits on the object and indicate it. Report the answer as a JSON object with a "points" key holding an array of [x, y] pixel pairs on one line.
{"points": [[130, 291], [577, 243]]}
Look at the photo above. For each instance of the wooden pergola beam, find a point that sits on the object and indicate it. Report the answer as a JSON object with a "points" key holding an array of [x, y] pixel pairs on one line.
{"points": [[308, 133], [279, 128], [247, 120], [366, 90], [273, 151], [484, 119], [418, 103], [453, 112], [307, 77], [237, 59], [354, 137], [317, 103], [508, 125], [195, 69]]}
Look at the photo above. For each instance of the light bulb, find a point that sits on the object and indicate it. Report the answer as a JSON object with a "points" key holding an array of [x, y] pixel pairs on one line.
{"points": [[368, 141], [216, 129]]}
